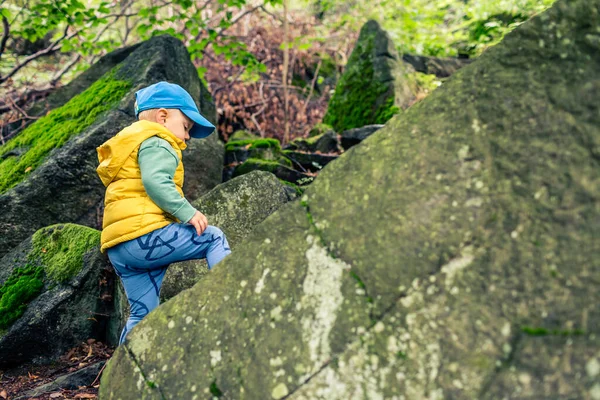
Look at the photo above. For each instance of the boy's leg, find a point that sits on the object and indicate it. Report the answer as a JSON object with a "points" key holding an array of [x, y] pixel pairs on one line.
{"points": [[141, 263], [142, 285], [180, 242]]}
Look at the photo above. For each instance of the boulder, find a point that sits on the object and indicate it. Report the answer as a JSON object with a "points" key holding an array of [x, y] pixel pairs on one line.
{"points": [[375, 85], [452, 254], [236, 207], [309, 161], [440, 67], [54, 293], [55, 158], [327, 142], [354, 136]]}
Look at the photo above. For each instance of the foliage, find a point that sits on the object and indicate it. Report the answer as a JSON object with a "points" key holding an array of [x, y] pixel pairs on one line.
{"points": [[22, 286], [27, 151], [60, 248], [434, 28]]}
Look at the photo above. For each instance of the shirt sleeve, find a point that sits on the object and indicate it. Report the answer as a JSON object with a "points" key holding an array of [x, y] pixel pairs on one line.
{"points": [[158, 163]]}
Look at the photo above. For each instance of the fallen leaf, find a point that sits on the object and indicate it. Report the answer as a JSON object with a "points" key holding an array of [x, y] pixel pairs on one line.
{"points": [[27, 169], [32, 376], [85, 396], [81, 365], [3, 394], [56, 395]]}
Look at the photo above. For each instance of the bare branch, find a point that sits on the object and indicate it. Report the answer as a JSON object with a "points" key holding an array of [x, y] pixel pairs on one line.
{"points": [[49, 50], [4, 35], [63, 71], [312, 86]]}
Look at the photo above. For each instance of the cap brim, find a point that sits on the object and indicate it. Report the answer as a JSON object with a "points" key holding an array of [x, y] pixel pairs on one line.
{"points": [[202, 127]]}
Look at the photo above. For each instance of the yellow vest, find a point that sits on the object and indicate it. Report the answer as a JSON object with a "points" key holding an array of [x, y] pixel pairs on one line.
{"points": [[128, 211]]}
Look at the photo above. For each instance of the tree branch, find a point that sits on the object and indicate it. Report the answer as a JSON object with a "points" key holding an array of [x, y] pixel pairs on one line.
{"points": [[49, 50], [5, 35]]}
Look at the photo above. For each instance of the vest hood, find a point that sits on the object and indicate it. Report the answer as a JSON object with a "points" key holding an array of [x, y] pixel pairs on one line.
{"points": [[113, 153]]}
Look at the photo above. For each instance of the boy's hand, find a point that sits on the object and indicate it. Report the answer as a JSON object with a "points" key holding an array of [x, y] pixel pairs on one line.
{"points": [[199, 222]]}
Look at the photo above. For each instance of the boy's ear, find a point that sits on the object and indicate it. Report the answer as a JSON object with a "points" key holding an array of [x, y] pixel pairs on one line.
{"points": [[161, 115]]}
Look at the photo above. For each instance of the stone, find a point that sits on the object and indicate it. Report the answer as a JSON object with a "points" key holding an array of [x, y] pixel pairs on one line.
{"points": [[327, 142], [235, 207], [354, 136], [452, 254], [441, 67], [68, 176], [375, 85], [82, 377], [72, 304], [309, 161]]}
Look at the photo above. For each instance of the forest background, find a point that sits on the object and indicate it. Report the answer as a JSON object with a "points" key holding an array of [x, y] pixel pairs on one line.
{"points": [[242, 49]]}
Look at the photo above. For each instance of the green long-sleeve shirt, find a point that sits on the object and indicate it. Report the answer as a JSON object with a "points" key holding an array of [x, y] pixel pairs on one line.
{"points": [[158, 162]]}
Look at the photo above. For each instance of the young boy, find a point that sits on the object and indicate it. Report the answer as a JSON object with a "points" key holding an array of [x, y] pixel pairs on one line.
{"points": [[148, 223]]}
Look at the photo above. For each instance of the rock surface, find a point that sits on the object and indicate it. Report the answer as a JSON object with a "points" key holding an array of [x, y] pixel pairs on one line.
{"points": [[235, 207], [82, 377], [69, 309], [452, 254], [68, 175], [354, 136], [375, 85]]}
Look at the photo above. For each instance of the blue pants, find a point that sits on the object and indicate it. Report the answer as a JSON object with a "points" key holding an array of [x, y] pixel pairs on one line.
{"points": [[141, 263]]}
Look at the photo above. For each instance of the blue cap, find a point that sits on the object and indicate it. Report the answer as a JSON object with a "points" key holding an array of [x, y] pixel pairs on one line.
{"points": [[170, 95]]}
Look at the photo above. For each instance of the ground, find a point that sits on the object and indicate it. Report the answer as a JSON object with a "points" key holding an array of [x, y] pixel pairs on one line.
{"points": [[15, 382]]}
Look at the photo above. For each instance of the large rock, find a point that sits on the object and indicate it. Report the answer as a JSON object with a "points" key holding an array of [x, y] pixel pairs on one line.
{"points": [[62, 186], [65, 301], [375, 85], [236, 207], [452, 254]]}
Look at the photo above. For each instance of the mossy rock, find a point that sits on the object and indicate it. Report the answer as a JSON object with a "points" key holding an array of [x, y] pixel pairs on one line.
{"points": [[258, 164], [319, 129], [418, 264], [242, 135], [235, 207], [53, 290], [327, 142], [48, 172], [375, 85]]}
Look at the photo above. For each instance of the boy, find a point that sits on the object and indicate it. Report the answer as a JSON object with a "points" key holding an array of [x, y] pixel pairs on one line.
{"points": [[148, 223]]}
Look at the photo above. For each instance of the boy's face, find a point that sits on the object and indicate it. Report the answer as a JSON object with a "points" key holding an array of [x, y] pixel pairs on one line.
{"points": [[175, 121]]}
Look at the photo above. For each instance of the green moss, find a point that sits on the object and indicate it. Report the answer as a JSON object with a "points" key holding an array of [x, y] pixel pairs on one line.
{"points": [[427, 83], [360, 99], [22, 286], [299, 190], [214, 389], [56, 128], [550, 332], [242, 135], [60, 249], [253, 164], [319, 129], [251, 144]]}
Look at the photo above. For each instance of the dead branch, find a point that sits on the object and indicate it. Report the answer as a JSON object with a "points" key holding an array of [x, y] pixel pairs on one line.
{"points": [[253, 116], [49, 50], [312, 86], [4, 35]]}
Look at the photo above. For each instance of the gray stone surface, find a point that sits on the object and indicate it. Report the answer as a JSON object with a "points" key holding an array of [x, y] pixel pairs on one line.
{"points": [[235, 207], [452, 254], [66, 187], [354, 136]]}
